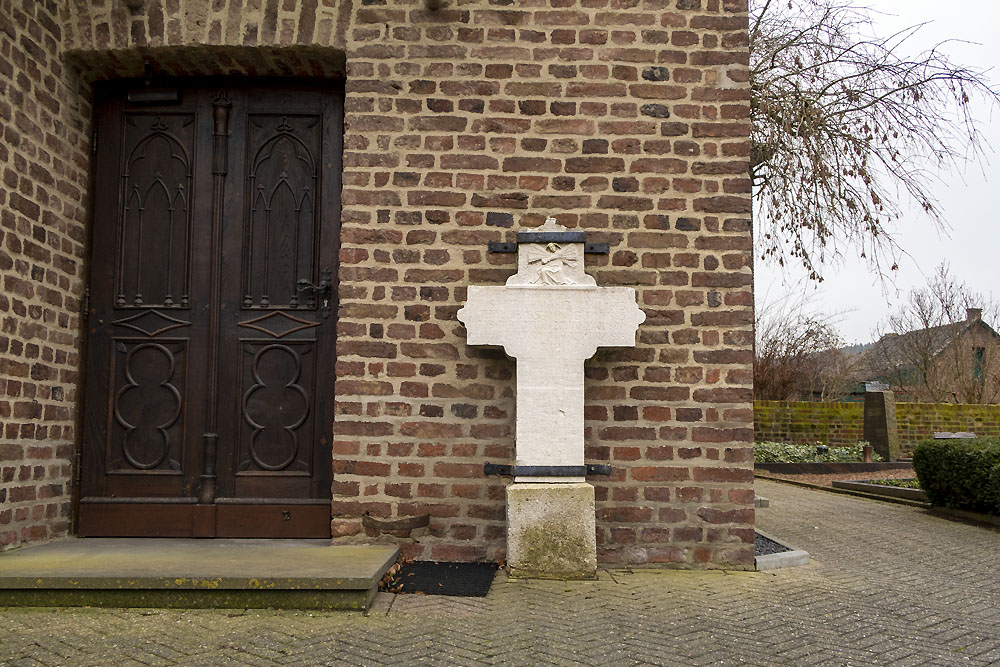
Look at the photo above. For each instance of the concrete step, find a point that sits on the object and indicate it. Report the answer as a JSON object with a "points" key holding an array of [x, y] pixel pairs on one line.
{"points": [[191, 573]]}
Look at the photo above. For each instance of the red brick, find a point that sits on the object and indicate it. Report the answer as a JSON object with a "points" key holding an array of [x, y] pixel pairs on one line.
{"points": [[661, 473], [710, 515], [723, 474], [458, 470]]}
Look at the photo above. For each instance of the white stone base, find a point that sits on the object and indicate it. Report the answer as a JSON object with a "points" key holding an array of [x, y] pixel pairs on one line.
{"points": [[550, 531]]}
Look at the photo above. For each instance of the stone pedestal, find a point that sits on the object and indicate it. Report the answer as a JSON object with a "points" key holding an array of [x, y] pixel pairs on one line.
{"points": [[880, 423], [550, 530]]}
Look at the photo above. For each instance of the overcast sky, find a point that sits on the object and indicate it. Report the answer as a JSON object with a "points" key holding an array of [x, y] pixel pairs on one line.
{"points": [[969, 199]]}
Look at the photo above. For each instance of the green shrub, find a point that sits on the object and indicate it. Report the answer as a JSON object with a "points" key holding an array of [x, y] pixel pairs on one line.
{"points": [[962, 474], [782, 452]]}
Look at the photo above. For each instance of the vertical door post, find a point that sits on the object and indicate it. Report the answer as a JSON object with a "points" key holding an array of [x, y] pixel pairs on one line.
{"points": [[204, 517]]}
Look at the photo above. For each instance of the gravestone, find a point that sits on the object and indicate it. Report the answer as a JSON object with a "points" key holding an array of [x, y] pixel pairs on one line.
{"points": [[880, 423], [550, 316]]}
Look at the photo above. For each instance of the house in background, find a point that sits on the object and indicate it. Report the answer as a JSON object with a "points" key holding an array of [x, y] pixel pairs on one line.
{"points": [[957, 362]]}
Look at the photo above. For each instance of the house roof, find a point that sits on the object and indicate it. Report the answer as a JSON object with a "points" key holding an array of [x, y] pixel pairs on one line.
{"points": [[895, 352]]}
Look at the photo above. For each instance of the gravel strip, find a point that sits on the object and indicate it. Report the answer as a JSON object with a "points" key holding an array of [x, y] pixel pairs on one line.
{"points": [[764, 546]]}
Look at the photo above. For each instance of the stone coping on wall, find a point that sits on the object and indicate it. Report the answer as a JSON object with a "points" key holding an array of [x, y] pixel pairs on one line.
{"points": [[840, 423], [830, 468]]}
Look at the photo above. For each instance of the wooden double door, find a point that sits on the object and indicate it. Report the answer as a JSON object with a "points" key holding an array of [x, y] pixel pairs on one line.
{"points": [[212, 311]]}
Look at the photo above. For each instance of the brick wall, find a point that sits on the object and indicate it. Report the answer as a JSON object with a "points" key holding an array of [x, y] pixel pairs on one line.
{"points": [[919, 421], [624, 118], [43, 166], [466, 124], [805, 422], [839, 424]]}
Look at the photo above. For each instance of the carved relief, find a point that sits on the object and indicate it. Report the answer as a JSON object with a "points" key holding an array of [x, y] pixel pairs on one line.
{"points": [[281, 227], [550, 260], [151, 322], [278, 324], [148, 406], [153, 264], [550, 264], [275, 407]]}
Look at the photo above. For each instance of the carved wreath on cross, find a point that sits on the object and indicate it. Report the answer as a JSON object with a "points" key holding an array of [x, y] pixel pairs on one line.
{"points": [[550, 260]]}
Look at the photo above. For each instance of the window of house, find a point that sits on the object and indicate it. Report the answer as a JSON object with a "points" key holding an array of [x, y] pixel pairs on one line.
{"points": [[978, 358]]}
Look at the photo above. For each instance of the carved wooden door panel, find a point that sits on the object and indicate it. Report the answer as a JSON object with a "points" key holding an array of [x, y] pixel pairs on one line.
{"points": [[210, 358]]}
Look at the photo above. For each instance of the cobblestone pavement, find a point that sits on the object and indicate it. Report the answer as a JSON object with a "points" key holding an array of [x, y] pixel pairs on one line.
{"points": [[890, 584]]}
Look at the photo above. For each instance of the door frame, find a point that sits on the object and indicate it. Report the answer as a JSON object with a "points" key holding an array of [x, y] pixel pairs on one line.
{"points": [[332, 201]]}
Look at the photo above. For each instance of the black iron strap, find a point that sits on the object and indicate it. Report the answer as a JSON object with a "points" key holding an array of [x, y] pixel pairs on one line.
{"points": [[551, 237], [588, 248], [546, 471]]}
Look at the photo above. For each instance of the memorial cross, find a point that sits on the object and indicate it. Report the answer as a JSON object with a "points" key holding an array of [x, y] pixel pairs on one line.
{"points": [[550, 316]]}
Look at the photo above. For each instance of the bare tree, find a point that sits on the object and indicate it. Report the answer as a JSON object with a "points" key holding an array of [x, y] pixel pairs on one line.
{"points": [[846, 128], [796, 355], [939, 346]]}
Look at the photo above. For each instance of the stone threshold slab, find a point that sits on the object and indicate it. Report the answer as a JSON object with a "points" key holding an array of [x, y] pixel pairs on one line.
{"points": [[141, 572]]}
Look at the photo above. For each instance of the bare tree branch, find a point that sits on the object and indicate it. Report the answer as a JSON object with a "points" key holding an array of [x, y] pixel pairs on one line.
{"points": [[795, 355], [847, 129]]}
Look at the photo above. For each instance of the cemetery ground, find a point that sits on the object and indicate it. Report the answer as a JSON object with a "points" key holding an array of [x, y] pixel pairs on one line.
{"points": [[888, 584]]}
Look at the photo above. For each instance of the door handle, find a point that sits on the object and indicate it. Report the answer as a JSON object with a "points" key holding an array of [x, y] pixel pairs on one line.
{"points": [[321, 291]]}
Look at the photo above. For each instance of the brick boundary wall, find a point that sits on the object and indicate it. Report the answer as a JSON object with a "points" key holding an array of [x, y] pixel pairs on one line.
{"points": [[626, 118], [832, 423], [838, 424]]}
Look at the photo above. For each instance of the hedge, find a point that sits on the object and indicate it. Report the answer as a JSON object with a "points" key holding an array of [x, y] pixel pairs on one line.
{"points": [[962, 474]]}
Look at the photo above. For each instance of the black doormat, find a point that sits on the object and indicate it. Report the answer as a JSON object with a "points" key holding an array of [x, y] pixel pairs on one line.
{"points": [[434, 578]]}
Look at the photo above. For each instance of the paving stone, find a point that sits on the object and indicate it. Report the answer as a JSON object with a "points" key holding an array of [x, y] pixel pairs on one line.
{"points": [[889, 584]]}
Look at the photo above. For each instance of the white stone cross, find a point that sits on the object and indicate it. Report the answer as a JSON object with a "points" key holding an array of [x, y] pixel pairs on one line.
{"points": [[550, 316]]}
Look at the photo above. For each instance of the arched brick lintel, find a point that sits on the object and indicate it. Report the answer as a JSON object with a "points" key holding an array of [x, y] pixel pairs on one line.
{"points": [[110, 24], [208, 60]]}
